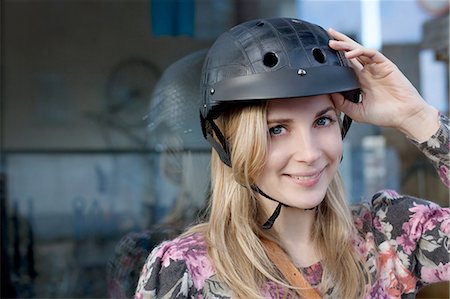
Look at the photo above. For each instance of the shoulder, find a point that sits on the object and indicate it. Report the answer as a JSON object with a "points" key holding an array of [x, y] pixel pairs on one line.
{"points": [[403, 208], [390, 214], [181, 263], [182, 248], [387, 200]]}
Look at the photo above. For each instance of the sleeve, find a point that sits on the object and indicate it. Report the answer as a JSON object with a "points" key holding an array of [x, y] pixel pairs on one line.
{"points": [[418, 232], [436, 149], [123, 268], [165, 275]]}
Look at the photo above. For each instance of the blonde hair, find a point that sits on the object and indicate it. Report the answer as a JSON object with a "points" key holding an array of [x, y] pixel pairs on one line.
{"points": [[233, 232]]}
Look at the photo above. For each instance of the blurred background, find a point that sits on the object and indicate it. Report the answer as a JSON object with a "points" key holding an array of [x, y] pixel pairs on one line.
{"points": [[101, 151]]}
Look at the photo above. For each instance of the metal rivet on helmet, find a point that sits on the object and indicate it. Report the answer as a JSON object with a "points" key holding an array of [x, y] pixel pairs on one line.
{"points": [[301, 72]]}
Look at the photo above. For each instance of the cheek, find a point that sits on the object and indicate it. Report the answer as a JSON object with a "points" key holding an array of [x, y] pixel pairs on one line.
{"points": [[274, 160], [334, 147]]}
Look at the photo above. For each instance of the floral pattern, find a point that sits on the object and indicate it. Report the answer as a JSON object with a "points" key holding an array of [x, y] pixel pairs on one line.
{"points": [[436, 149], [405, 242]]}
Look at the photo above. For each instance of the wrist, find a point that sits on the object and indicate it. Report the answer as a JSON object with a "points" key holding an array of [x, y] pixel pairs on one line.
{"points": [[422, 125]]}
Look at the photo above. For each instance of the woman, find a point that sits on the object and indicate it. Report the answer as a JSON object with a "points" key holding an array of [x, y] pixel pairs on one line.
{"points": [[279, 225]]}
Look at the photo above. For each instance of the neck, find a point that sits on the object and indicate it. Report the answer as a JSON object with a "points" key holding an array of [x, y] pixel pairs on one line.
{"points": [[294, 227]]}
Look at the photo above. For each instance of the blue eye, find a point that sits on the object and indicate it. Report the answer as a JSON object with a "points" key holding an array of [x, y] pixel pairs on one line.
{"points": [[324, 121], [277, 130]]}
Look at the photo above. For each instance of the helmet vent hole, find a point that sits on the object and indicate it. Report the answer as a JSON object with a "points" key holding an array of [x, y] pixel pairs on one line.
{"points": [[260, 23], [319, 55], [270, 59]]}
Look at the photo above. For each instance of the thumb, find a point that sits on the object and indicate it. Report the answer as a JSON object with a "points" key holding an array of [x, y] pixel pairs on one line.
{"points": [[346, 106]]}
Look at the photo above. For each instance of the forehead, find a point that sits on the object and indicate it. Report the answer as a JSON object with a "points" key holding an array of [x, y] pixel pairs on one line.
{"points": [[303, 105]]}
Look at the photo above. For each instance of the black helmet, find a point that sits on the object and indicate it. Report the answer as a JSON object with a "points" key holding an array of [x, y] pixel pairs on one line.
{"points": [[266, 59]]}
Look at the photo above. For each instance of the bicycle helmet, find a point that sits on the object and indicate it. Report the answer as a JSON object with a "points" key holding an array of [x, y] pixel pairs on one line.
{"points": [[275, 58]]}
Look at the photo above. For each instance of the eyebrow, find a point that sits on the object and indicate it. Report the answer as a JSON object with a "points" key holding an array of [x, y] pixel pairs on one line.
{"points": [[323, 111], [288, 120]]}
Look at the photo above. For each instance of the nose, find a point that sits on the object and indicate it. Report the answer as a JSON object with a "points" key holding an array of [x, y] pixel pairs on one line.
{"points": [[306, 147]]}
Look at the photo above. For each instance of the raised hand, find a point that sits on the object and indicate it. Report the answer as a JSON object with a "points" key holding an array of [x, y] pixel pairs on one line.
{"points": [[389, 98]]}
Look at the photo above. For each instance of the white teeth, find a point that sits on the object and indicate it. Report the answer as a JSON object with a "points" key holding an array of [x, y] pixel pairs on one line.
{"points": [[303, 178]]}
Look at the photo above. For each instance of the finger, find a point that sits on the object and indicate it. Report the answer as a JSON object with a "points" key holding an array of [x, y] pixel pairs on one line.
{"points": [[346, 106], [358, 55], [356, 64], [355, 50], [343, 46], [340, 36], [365, 55]]}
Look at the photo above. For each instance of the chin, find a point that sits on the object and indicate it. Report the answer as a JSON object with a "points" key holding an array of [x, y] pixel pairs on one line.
{"points": [[308, 201]]}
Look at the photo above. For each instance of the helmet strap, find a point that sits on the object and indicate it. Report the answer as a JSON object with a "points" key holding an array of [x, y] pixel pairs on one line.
{"points": [[210, 129], [269, 223], [346, 123]]}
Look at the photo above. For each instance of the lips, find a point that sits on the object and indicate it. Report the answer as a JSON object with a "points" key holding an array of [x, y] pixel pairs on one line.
{"points": [[306, 179]]}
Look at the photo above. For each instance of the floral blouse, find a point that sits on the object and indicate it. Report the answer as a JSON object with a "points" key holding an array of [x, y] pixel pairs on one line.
{"points": [[404, 240]]}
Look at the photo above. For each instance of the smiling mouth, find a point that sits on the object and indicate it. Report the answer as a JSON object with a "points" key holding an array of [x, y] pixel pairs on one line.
{"points": [[307, 180], [304, 178]]}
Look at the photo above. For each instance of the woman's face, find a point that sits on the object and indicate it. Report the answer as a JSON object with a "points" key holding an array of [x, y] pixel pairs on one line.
{"points": [[305, 150]]}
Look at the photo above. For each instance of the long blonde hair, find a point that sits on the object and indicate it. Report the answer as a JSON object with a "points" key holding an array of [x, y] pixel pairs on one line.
{"points": [[233, 232]]}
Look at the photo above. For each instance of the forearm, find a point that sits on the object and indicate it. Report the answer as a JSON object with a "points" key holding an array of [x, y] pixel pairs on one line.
{"points": [[437, 149], [422, 125]]}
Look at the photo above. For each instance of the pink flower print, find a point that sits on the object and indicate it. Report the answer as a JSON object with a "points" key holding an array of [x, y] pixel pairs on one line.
{"points": [[272, 290], [358, 223], [377, 224], [445, 226], [364, 216], [412, 230], [313, 274], [440, 273], [382, 226], [425, 217], [199, 266], [180, 249], [169, 253], [377, 292], [407, 240], [359, 244], [444, 175]]}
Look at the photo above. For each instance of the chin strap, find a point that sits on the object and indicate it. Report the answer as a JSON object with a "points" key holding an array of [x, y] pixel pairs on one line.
{"points": [[209, 129], [269, 223]]}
